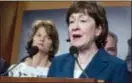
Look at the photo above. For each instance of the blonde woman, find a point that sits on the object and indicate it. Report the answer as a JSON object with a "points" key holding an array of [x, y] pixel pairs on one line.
{"points": [[45, 37]]}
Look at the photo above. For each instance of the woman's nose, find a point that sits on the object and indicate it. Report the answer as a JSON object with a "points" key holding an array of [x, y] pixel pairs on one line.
{"points": [[76, 26], [75, 29], [42, 38]]}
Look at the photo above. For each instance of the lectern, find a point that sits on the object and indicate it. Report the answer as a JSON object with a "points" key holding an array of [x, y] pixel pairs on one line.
{"points": [[46, 80]]}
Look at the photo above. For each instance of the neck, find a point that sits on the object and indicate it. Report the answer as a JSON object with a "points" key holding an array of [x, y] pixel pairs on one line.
{"points": [[40, 59], [86, 53]]}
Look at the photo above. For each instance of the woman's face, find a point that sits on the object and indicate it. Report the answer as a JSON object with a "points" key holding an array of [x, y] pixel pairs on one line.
{"points": [[82, 30], [42, 40]]}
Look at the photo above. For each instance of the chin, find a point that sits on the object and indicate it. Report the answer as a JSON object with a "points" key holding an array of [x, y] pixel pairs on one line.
{"points": [[78, 45], [40, 48]]}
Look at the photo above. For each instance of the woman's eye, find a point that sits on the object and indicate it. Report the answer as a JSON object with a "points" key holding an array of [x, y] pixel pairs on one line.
{"points": [[71, 22], [47, 37], [38, 35], [83, 20]]}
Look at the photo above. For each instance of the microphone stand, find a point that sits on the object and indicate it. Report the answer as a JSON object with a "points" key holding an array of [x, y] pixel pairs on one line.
{"points": [[9, 69], [75, 55], [31, 52]]}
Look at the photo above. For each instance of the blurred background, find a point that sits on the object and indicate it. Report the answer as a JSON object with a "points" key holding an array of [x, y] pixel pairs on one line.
{"points": [[17, 17]]}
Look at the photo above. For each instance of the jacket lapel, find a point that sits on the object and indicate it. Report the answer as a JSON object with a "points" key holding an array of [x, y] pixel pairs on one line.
{"points": [[97, 65], [68, 66]]}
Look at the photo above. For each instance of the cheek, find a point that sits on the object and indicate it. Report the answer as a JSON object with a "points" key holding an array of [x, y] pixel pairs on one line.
{"points": [[89, 27], [69, 32], [69, 29], [35, 41], [88, 31], [48, 43]]}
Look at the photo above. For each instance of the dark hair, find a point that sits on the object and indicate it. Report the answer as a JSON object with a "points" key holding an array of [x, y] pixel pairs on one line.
{"points": [[52, 33], [130, 42], [129, 55], [97, 12]]}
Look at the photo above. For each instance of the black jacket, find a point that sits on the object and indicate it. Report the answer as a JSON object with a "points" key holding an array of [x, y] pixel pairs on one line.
{"points": [[129, 77], [3, 66]]}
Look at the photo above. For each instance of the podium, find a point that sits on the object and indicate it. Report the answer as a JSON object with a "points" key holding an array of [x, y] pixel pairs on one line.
{"points": [[45, 80]]}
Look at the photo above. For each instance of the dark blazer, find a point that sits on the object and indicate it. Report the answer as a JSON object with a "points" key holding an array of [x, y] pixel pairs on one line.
{"points": [[129, 77], [3, 66], [102, 67]]}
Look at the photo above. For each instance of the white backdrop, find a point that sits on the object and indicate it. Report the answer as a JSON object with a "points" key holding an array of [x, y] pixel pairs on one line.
{"points": [[119, 19]]}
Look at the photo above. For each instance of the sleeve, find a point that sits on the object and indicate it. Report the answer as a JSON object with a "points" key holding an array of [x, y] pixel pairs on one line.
{"points": [[120, 74]]}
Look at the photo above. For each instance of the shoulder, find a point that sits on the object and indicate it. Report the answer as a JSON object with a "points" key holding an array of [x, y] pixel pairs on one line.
{"points": [[115, 66], [17, 67], [116, 60], [119, 69], [61, 57], [20, 69], [111, 59], [59, 60], [57, 64]]}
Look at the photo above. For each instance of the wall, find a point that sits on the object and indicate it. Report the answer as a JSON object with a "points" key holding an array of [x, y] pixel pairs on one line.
{"points": [[118, 19], [11, 37], [7, 22]]}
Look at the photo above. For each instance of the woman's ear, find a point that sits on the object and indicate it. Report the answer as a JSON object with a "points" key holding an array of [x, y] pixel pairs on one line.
{"points": [[51, 48], [98, 30]]}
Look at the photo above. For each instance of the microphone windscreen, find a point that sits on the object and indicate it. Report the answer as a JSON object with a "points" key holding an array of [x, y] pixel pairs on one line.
{"points": [[73, 50], [33, 50], [68, 40]]}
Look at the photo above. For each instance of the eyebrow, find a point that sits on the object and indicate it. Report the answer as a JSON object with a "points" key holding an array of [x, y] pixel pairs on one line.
{"points": [[81, 15], [37, 33]]}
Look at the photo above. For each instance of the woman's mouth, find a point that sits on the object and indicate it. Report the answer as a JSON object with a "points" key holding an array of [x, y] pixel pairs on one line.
{"points": [[76, 36], [40, 44]]}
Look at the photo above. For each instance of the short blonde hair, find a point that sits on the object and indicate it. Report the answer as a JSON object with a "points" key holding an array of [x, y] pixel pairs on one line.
{"points": [[52, 32]]}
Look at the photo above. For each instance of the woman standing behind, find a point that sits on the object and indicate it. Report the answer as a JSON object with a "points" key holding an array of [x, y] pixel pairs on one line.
{"points": [[45, 37]]}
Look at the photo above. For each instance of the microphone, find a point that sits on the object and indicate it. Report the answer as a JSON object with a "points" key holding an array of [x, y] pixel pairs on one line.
{"points": [[68, 40], [32, 51], [74, 51]]}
